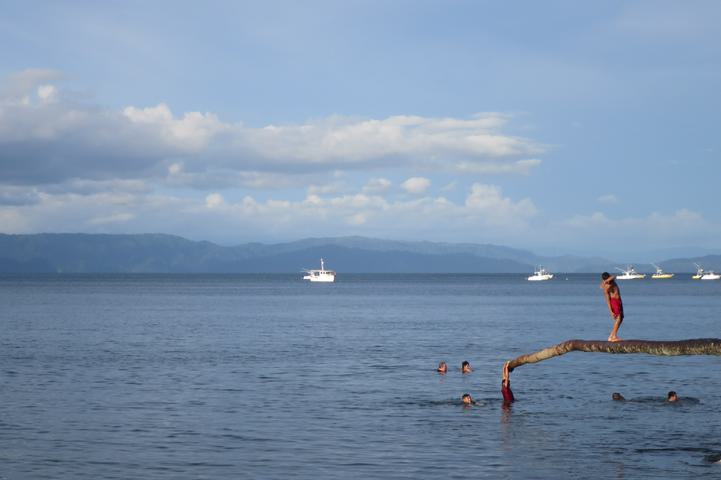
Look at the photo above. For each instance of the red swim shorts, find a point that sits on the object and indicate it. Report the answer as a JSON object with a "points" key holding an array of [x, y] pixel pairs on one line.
{"points": [[616, 307]]}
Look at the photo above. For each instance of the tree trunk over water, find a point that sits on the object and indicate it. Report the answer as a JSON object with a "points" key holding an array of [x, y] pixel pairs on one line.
{"points": [[699, 346]]}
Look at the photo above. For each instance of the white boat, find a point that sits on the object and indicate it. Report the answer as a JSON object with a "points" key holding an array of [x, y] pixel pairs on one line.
{"points": [[629, 274], [321, 275], [699, 272], [539, 275], [710, 276], [660, 273]]}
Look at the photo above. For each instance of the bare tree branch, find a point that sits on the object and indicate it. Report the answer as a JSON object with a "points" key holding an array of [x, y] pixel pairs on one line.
{"points": [[698, 346]]}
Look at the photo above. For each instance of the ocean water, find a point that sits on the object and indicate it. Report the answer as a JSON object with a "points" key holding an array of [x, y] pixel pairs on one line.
{"points": [[269, 377]]}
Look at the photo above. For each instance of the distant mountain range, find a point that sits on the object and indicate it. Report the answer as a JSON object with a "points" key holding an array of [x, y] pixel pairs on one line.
{"points": [[159, 253]]}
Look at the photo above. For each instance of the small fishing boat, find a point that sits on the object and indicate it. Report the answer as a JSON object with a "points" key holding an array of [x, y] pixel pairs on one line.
{"points": [[629, 274], [710, 275], [321, 275], [540, 275], [660, 273], [699, 272], [702, 274]]}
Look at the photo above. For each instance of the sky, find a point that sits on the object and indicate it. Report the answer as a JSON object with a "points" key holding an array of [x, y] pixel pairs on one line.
{"points": [[557, 126]]}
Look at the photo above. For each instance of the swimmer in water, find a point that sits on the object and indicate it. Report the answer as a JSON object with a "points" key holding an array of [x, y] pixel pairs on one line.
{"points": [[672, 397], [442, 367], [466, 367], [612, 294], [617, 396], [508, 397], [468, 400]]}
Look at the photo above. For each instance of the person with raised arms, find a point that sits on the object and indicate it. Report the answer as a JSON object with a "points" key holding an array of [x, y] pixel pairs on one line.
{"points": [[506, 391], [612, 294]]}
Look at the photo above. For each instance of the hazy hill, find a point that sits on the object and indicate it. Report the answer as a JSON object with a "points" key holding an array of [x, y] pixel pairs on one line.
{"points": [[158, 253], [684, 265]]}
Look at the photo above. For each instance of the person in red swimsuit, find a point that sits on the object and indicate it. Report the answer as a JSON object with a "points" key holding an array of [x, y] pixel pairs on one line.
{"points": [[508, 397], [613, 299]]}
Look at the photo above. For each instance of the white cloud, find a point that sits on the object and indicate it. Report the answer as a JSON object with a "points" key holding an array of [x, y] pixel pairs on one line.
{"points": [[97, 212], [487, 212], [522, 167], [484, 215], [47, 93], [17, 87], [51, 140], [377, 185], [214, 200], [485, 209], [193, 131], [224, 178], [70, 165], [608, 198], [175, 169], [416, 185], [430, 141], [327, 189], [496, 208]]}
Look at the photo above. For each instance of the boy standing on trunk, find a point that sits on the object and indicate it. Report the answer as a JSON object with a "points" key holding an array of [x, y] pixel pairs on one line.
{"points": [[613, 299]]}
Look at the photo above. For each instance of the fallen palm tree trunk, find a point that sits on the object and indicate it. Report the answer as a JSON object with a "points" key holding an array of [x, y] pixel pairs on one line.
{"points": [[699, 346]]}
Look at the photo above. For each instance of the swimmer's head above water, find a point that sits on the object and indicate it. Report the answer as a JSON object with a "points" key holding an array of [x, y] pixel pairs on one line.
{"points": [[466, 367], [442, 367], [617, 396], [672, 397], [467, 399]]}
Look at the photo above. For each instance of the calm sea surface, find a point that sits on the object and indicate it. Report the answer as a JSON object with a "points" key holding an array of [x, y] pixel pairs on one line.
{"points": [[268, 377]]}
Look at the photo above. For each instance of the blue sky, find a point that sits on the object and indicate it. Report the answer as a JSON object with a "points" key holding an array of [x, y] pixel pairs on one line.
{"points": [[586, 127]]}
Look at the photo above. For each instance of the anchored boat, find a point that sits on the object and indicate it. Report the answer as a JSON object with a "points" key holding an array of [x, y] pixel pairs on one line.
{"points": [[702, 274], [699, 272], [660, 273], [321, 275], [629, 274], [710, 276], [540, 274]]}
